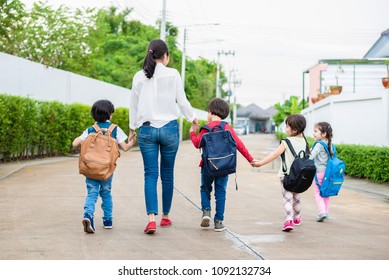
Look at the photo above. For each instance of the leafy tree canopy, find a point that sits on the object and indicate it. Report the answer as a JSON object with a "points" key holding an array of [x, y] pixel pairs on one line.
{"points": [[290, 107], [99, 43]]}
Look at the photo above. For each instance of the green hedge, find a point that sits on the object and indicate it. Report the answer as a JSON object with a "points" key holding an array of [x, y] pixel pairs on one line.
{"points": [[369, 162], [30, 128]]}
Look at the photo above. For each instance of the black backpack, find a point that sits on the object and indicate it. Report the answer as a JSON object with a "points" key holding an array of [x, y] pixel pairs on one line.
{"points": [[302, 171], [218, 151]]}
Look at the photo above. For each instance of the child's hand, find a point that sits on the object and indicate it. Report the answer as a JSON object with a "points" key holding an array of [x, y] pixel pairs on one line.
{"points": [[194, 128], [132, 141], [256, 163]]}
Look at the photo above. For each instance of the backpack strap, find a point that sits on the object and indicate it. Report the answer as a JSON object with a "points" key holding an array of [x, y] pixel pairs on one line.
{"points": [[324, 144], [96, 127], [284, 169], [111, 128], [221, 125]]}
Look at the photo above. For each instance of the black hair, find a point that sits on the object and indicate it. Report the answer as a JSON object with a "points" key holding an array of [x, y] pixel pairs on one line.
{"points": [[102, 110], [156, 50], [326, 128], [298, 123], [219, 107]]}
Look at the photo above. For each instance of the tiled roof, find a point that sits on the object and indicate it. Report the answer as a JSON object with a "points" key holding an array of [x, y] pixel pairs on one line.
{"points": [[253, 111]]}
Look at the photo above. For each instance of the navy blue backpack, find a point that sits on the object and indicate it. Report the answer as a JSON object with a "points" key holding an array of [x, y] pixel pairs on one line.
{"points": [[334, 175], [218, 151]]}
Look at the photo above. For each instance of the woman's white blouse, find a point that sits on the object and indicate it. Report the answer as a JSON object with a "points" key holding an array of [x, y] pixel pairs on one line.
{"points": [[156, 99]]}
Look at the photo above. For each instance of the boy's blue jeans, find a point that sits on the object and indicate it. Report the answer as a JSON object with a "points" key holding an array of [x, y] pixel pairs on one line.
{"points": [[152, 142], [96, 188], [220, 184]]}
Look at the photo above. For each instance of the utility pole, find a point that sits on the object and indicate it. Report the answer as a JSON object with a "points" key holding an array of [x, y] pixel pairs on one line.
{"points": [[183, 65], [236, 84], [163, 21], [218, 94]]}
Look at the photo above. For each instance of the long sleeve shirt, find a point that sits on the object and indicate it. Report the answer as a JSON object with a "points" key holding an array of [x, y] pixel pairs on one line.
{"points": [[196, 139], [155, 100], [320, 157]]}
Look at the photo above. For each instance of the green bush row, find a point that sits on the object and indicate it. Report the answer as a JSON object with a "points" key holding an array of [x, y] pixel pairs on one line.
{"points": [[369, 162], [30, 128]]}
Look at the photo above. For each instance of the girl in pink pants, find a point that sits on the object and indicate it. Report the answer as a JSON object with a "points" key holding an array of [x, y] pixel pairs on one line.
{"points": [[322, 132]]}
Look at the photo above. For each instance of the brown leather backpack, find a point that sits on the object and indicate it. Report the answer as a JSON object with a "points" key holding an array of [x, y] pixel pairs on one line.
{"points": [[99, 153]]}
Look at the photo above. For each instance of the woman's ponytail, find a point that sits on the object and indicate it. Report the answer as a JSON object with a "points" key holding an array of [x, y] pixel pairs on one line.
{"points": [[156, 50]]}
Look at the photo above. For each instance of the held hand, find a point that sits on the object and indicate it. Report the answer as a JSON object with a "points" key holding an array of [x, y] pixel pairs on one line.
{"points": [[256, 163], [196, 122], [194, 128]]}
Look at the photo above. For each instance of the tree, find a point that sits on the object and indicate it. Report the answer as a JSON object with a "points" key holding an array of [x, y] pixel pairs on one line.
{"points": [[291, 106], [102, 44]]}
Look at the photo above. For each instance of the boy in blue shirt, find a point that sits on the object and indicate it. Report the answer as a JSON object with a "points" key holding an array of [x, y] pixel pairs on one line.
{"points": [[101, 112]]}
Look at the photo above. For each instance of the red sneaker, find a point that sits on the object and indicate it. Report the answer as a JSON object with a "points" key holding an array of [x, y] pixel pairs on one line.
{"points": [[297, 221], [150, 228], [288, 226], [166, 222]]}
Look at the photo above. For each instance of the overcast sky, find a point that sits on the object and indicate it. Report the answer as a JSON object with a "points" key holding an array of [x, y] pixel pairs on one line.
{"points": [[274, 41]]}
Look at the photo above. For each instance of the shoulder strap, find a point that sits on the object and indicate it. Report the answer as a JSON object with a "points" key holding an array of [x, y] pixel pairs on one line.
{"points": [[284, 169], [111, 128], [222, 124], [290, 146], [326, 148], [96, 127], [206, 127]]}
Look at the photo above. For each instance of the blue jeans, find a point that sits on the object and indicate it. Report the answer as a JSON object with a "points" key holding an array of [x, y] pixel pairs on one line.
{"points": [[220, 194], [152, 142], [96, 188]]}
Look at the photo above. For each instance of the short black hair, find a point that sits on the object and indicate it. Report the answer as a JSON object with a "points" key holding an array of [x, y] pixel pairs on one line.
{"points": [[102, 110], [219, 107]]}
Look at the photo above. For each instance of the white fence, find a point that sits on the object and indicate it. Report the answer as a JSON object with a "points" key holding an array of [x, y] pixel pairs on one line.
{"points": [[356, 118], [23, 77]]}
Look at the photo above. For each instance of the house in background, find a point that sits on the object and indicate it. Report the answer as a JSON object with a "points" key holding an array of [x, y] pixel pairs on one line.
{"points": [[360, 75], [360, 113], [255, 119]]}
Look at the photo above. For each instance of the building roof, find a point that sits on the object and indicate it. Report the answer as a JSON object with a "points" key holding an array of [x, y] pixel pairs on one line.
{"points": [[380, 49], [253, 111]]}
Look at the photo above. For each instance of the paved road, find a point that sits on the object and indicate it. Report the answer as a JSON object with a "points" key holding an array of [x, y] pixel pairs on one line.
{"points": [[41, 202]]}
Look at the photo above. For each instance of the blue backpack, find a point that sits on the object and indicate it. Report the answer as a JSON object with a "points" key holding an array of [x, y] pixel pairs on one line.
{"points": [[334, 174], [218, 151]]}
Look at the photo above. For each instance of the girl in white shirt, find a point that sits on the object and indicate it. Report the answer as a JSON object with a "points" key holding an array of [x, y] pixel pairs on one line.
{"points": [[295, 126], [156, 92]]}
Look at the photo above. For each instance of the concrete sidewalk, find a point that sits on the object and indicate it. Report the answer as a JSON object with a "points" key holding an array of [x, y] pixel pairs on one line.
{"points": [[42, 206]]}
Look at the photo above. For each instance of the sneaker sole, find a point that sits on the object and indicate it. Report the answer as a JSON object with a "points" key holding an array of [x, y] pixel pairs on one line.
{"points": [[205, 221], [150, 231], [287, 229], [321, 219], [87, 226], [108, 227], [220, 229]]}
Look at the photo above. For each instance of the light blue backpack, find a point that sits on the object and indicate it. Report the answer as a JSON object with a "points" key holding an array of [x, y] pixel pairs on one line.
{"points": [[334, 175]]}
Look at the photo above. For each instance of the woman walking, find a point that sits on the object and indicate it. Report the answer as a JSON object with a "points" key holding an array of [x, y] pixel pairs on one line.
{"points": [[156, 92]]}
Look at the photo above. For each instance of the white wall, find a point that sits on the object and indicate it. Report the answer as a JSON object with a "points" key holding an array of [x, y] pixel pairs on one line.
{"points": [[23, 77], [359, 118]]}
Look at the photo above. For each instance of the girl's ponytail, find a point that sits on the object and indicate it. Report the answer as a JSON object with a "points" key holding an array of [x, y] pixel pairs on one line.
{"points": [[156, 50]]}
